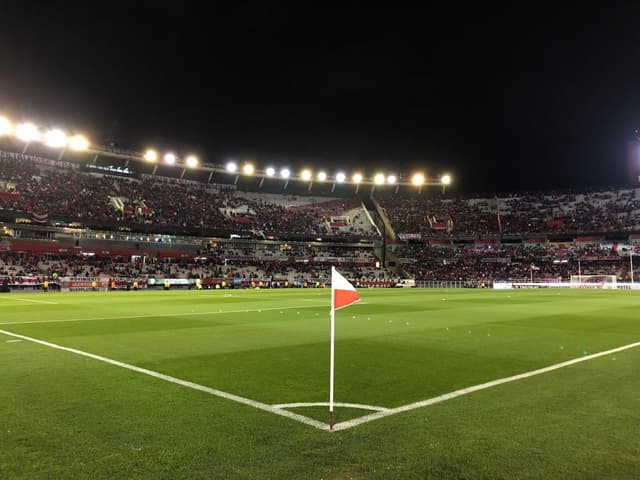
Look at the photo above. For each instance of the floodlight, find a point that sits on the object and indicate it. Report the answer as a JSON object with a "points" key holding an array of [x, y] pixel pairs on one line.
{"points": [[169, 158], [231, 167], [322, 176], [378, 179], [27, 132], [78, 143], [55, 138], [417, 179], [446, 179], [391, 179], [340, 177], [270, 171], [285, 173], [192, 161], [306, 175], [248, 169], [357, 177], [151, 155], [5, 126]]}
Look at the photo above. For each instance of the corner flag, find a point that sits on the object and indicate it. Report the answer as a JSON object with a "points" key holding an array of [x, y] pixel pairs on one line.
{"points": [[343, 294]]}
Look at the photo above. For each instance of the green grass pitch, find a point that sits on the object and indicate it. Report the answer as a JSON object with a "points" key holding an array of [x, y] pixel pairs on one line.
{"points": [[63, 415]]}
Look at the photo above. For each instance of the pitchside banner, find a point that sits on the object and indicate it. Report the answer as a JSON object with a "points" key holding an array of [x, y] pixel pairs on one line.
{"points": [[606, 286], [410, 236]]}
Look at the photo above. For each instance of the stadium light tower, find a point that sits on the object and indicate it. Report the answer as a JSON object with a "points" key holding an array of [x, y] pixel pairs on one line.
{"points": [[79, 143], [151, 155], [55, 138], [5, 126]]}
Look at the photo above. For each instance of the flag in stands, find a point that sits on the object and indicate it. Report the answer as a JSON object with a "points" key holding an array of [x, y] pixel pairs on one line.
{"points": [[40, 217], [344, 294]]}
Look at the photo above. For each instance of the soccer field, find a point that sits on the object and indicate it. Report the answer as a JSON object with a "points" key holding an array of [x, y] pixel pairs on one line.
{"points": [[234, 384]]}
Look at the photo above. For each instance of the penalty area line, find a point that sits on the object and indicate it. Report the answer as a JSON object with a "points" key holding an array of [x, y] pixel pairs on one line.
{"points": [[178, 381], [465, 391]]}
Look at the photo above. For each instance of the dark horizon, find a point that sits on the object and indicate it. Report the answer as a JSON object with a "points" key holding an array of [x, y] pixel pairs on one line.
{"points": [[503, 99]]}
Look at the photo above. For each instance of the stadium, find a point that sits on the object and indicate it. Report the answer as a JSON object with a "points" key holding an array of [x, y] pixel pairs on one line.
{"points": [[169, 314]]}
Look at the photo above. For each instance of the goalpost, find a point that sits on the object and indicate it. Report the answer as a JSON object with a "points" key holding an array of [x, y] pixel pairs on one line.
{"points": [[593, 281]]}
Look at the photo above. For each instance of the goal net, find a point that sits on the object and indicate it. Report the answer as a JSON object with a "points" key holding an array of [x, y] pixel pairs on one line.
{"points": [[593, 281]]}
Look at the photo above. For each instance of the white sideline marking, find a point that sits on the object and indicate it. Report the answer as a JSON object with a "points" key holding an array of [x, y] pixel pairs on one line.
{"points": [[185, 314], [178, 381], [326, 404], [13, 341], [475, 388], [28, 300]]}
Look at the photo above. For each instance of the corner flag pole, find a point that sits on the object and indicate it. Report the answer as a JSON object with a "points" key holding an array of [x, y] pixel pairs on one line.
{"points": [[343, 294], [333, 338]]}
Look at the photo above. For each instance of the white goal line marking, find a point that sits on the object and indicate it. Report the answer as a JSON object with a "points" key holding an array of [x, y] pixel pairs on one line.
{"points": [[28, 300], [278, 409], [475, 388], [181, 314], [178, 381]]}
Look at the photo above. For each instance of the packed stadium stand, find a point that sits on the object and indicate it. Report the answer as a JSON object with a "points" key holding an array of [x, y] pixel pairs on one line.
{"points": [[86, 219]]}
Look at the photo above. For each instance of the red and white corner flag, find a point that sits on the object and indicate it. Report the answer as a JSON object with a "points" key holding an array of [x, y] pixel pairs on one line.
{"points": [[343, 294]]}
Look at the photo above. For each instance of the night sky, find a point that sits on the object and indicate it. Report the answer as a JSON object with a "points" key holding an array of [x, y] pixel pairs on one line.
{"points": [[503, 98]]}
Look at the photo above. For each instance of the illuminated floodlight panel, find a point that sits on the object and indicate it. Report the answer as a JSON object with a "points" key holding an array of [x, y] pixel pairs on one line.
{"points": [[306, 175], [446, 179], [231, 167], [357, 177], [417, 179], [27, 132], [79, 143], [392, 179], [378, 179], [285, 173], [192, 161], [341, 177], [169, 158], [5, 126], [322, 176], [55, 138], [151, 155], [248, 169]]}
